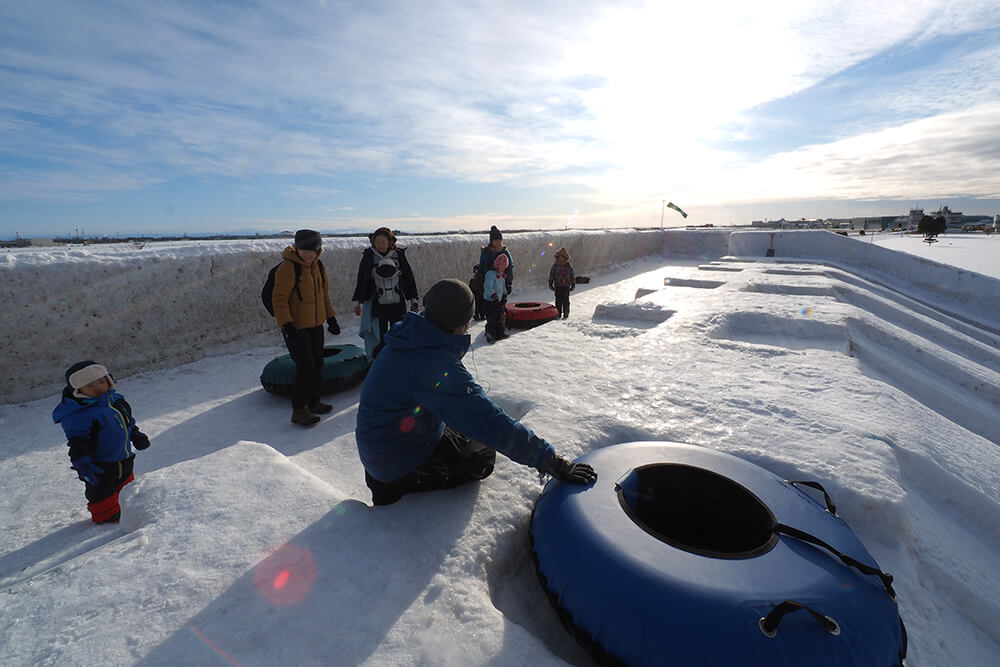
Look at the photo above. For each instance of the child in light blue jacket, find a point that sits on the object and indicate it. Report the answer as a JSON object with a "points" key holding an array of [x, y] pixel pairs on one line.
{"points": [[495, 298]]}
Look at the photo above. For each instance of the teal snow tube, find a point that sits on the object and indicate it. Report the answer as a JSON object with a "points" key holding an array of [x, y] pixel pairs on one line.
{"points": [[343, 367]]}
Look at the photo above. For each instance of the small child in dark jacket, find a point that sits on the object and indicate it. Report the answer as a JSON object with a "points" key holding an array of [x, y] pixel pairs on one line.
{"points": [[562, 281], [476, 285], [101, 431]]}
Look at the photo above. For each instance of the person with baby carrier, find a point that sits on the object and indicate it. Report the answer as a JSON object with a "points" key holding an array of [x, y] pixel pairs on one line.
{"points": [[384, 289]]}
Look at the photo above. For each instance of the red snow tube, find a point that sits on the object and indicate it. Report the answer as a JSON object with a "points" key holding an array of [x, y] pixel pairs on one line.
{"points": [[527, 314]]}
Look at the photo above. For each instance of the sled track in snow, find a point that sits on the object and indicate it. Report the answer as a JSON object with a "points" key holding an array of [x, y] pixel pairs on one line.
{"points": [[909, 343]]}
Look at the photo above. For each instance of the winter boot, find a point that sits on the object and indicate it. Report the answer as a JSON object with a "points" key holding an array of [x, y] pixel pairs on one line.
{"points": [[304, 417], [319, 408]]}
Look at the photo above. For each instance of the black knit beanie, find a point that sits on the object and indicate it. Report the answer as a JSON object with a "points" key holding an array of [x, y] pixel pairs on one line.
{"points": [[449, 304], [308, 239], [495, 234]]}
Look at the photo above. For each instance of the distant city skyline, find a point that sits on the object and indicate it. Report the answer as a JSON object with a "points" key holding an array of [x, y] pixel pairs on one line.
{"points": [[196, 118]]}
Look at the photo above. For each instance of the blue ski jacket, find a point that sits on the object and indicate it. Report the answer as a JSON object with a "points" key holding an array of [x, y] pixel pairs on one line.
{"points": [[100, 428], [415, 387], [494, 285]]}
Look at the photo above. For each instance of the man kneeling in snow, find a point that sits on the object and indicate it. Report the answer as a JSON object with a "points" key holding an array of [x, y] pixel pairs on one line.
{"points": [[420, 407]]}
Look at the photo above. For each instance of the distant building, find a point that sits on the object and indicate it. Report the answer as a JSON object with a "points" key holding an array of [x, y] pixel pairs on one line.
{"points": [[875, 223], [25, 243]]}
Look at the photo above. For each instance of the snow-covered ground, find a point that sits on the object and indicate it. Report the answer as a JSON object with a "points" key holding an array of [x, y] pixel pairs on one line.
{"points": [[975, 252], [246, 540]]}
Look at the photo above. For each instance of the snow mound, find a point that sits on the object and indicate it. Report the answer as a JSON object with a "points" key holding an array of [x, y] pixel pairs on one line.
{"points": [[215, 539], [638, 312]]}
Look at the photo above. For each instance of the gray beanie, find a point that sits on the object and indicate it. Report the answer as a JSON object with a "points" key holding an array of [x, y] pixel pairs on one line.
{"points": [[449, 304]]}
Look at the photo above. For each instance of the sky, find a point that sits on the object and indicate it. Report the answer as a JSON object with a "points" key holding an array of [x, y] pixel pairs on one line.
{"points": [[246, 540], [192, 117]]}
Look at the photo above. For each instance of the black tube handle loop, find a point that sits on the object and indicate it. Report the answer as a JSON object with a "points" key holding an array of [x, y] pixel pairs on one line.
{"points": [[769, 624], [884, 577], [830, 507]]}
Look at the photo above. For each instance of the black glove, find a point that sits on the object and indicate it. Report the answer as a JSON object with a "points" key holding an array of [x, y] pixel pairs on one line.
{"points": [[288, 330], [139, 439], [332, 326], [565, 471]]}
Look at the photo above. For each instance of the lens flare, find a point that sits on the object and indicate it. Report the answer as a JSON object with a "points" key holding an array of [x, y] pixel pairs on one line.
{"points": [[806, 311], [407, 424], [286, 576]]}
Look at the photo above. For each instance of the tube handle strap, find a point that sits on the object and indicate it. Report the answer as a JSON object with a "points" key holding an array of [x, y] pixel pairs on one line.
{"points": [[830, 507], [847, 560], [769, 624]]}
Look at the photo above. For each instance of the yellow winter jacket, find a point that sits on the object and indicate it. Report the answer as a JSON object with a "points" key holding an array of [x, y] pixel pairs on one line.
{"points": [[307, 306]]}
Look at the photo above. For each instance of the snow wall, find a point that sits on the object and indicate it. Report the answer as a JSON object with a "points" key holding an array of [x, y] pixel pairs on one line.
{"points": [[166, 304], [163, 304]]}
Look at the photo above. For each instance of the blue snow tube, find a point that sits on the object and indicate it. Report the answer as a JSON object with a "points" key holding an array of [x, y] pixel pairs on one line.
{"points": [[343, 367], [683, 555]]}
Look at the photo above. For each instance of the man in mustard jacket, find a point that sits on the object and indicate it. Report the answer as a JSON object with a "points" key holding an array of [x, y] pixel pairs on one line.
{"points": [[301, 299]]}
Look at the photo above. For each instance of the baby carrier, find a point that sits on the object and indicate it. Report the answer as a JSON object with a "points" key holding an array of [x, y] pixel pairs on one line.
{"points": [[386, 276]]}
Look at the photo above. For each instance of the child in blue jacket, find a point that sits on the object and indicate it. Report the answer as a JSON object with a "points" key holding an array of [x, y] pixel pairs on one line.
{"points": [[101, 431], [495, 298]]}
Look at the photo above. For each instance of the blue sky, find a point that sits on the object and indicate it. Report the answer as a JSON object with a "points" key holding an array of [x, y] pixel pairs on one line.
{"points": [[188, 117]]}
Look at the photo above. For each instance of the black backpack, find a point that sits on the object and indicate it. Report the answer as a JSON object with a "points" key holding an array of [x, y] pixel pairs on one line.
{"points": [[267, 291]]}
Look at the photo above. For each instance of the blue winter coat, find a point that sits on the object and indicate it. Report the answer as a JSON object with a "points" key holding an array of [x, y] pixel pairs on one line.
{"points": [[494, 284], [416, 386], [486, 258], [100, 428]]}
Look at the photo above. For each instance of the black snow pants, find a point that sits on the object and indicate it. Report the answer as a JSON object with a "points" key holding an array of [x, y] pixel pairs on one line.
{"points": [[455, 461], [306, 349]]}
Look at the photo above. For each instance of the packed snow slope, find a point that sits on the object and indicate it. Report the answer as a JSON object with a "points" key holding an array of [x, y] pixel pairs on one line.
{"points": [[247, 540]]}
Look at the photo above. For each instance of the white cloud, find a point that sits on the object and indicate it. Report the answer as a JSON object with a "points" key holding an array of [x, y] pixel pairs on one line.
{"points": [[932, 157], [622, 96]]}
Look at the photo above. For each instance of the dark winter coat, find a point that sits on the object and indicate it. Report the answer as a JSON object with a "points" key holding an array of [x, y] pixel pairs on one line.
{"points": [[416, 385], [100, 428], [365, 287], [562, 276], [486, 258], [307, 305]]}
